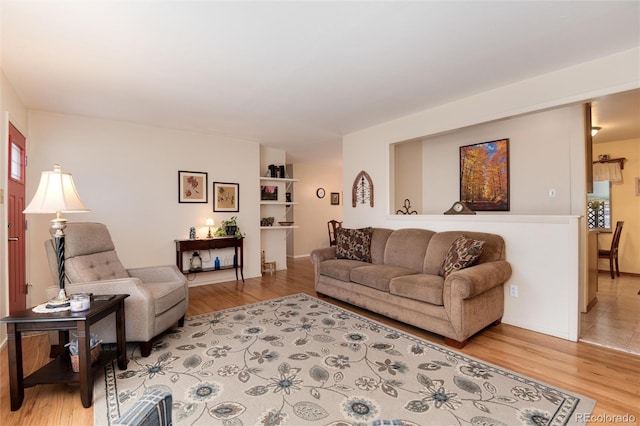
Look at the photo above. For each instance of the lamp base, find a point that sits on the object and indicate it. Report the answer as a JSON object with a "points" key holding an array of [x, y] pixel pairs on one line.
{"points": [[60, 300]]}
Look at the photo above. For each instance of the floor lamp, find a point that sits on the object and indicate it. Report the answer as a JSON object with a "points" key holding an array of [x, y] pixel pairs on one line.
{"points": [[57, 194]]}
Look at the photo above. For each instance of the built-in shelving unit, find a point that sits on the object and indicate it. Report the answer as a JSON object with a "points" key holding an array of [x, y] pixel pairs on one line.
{"points": [[276, 240], [288, 182]]}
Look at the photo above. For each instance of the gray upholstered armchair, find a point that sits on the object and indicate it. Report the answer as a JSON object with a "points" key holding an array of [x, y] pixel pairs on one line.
{"points": [[158, 296]]}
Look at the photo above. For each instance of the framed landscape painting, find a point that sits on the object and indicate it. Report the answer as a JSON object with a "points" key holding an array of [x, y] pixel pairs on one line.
{"points": [[226, 197], [484, 175], [192, 187]]}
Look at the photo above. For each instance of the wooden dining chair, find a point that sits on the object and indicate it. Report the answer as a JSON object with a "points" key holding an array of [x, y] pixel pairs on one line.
{"points": [[612, 253]]}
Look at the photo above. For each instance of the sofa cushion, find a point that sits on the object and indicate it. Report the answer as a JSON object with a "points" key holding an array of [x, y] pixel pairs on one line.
{"points": [[378, 276], [379, 238], [493, 249], [340, 269], [423, 287], [407, 247], [463, 253], [354, 244]]}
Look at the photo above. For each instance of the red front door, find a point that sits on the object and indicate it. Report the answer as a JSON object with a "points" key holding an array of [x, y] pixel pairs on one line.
{"points": [[16, 224]]}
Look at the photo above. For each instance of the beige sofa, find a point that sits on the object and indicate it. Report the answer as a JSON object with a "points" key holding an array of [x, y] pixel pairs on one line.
{"points": [[402, 281]]}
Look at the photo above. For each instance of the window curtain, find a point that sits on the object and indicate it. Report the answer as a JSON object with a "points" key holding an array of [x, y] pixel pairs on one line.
{"points": [[607, 171]]}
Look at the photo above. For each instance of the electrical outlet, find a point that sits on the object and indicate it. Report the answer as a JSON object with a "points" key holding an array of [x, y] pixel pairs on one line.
{"points": [[513, 290]]}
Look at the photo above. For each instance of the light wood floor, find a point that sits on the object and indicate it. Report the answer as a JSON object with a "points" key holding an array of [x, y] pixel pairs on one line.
{"points": [[611, 377], [614, 321]]}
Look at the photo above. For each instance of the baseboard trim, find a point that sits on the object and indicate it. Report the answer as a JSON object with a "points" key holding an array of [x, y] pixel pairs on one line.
{"points": [[628, 274]]}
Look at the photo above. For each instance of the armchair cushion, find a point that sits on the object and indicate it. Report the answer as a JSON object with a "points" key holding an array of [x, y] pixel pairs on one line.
{"points": [[94, 267]]}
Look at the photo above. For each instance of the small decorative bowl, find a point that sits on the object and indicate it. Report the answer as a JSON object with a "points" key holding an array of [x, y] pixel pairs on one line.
{"points": [[285, 223]]}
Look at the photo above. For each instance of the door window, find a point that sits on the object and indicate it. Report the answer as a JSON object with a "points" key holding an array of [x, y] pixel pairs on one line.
{"points": [[17, 163]]}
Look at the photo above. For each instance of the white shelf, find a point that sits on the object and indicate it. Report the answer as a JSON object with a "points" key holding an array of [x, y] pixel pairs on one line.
{"points": [[278, 179], [279, 227], [277, 203]]}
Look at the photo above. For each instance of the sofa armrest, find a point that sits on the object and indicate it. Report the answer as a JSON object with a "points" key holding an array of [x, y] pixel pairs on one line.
{"points": [[470, 282], [326, 253], [158, 274]]}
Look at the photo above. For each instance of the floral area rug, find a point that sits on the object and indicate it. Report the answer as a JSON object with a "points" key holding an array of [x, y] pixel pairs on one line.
{"points": [[298, 360]]}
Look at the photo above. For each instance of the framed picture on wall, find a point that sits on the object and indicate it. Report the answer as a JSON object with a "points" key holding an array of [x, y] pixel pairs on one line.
{"points": [[484, 175], [335, 198], [192, 187], [269, 193], [226, 197]]}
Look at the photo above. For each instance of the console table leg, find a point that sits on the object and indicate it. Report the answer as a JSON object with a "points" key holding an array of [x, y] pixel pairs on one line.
{"points": [[16, 384]]}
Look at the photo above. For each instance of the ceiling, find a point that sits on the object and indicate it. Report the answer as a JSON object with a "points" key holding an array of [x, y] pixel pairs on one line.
{"points": [[292, 75], [617, 115]]}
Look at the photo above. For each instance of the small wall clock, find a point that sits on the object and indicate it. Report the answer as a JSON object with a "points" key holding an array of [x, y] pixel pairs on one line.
{"points": [[320, 193], [362, 190]]}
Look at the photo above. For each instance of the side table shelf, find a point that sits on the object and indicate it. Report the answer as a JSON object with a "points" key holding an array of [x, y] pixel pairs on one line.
{"points": [[60, 371]]}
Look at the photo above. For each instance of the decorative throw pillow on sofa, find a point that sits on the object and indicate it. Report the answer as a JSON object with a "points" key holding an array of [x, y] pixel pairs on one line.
{"points": [[462, 254], [354, 244]]}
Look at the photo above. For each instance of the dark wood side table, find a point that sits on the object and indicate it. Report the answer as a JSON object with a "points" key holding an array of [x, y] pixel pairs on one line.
{"points": [[59, 370], [212, 244]]}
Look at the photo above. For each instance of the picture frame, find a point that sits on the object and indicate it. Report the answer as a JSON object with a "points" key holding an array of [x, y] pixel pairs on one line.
{"points": [[484, 175], [192, 187], [226, 197], [268, 193], [335, 198]]}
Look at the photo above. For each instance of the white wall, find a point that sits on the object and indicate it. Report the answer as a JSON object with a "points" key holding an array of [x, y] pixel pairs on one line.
{"points": [[127, 175], [539, 159], [408, 174], [313, 213], [625, 205], [369, 149], [12, 110]]}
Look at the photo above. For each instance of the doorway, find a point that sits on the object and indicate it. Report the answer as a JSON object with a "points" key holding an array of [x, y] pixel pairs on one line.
{"points": [[614, 320]]}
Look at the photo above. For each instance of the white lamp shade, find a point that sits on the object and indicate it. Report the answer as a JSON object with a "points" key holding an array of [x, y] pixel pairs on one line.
{"points": [[209, 222], [56, 193]]}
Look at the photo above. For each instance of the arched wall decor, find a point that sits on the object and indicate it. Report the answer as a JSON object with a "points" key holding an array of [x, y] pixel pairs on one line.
{"points": [[362, 190]]}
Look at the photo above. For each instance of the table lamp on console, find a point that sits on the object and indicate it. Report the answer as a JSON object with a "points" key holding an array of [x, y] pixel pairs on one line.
{"points": [[57, 194]]}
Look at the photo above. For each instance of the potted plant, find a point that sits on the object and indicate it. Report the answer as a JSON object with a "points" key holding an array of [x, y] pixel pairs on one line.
{"points": [[229, 228], [94, 344]]}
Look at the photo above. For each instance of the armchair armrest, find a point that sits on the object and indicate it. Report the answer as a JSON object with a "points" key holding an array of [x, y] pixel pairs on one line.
{"points": [[470, 282], [326, 253], [139, 306], [158, 274]]}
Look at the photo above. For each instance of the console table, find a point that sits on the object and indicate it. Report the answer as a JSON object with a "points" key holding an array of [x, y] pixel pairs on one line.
{"points": [[213, 244], [59, 370]]}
